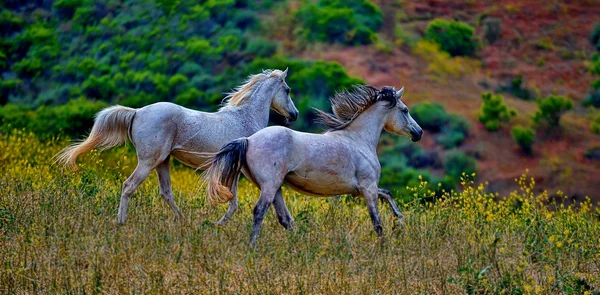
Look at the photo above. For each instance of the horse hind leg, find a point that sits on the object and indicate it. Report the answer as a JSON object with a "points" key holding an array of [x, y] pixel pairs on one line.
{"points": [[283, 214], [140, 174], [233, 205], [164, 184], [147, 161], [267, 195]]}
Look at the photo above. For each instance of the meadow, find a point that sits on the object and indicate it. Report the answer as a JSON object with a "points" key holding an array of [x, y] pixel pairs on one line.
{"points": [[58, 235]]}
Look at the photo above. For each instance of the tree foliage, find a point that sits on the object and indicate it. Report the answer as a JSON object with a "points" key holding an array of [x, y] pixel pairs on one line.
{"points": [[454, 37], [494, 112], [523, 137], [551, 109], [349, 22]]}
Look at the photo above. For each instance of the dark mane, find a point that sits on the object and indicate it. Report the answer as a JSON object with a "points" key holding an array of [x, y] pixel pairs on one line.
{"points": [[347, 105]]}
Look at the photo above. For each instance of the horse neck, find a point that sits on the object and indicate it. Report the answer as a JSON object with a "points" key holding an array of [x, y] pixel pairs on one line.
{"points": [[255, 110], [367, 127]]}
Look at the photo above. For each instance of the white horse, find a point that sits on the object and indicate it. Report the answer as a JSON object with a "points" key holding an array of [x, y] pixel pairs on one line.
{"points": [[163, 129], [341, 161]]}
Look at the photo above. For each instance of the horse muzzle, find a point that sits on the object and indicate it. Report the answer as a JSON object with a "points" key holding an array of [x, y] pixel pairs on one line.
{"points": [[293, 116], [416, 135]]}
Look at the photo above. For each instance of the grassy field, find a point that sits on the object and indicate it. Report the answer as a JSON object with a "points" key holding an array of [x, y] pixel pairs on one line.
{"points": [[58, 235]]}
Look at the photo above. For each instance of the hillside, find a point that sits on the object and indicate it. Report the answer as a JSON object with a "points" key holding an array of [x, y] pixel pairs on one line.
{"points": [[63, 61], [559, 162]]}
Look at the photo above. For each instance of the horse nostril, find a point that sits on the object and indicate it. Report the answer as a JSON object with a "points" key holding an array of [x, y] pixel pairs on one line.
{"points": [[417, 135], [293, 116]]}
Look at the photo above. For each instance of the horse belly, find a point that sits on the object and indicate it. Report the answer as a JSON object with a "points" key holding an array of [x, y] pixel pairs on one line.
{"points": [[191, 159], [321, 183]]}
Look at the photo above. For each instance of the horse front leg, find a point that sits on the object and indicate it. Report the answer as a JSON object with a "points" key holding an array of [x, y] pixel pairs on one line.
{"points": [[386, 195], [370, 194], [233, 205]]}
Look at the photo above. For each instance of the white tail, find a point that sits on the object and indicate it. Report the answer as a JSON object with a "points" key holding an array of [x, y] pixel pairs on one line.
{"points": [[110, 129]]}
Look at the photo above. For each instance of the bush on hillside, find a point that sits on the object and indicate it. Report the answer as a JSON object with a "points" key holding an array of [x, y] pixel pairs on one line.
{"points": [[523, 137], [74, 118], [456, 163], [453, 129], [593, 97], [454, 37], [494, 112], [551, 109], [430, 116], [595, 36], [595, 125], [349, 22], [492, 29]]}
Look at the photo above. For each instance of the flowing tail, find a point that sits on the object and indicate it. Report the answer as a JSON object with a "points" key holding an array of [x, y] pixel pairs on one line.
{"points": [[225, 168], [110, 129]]}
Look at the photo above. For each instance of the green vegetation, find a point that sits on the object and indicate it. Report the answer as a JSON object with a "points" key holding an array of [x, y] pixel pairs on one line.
{"points": [[71, 118], [459, 164], [595, 125], [494, 112], [593, 97], [454, 37], [452, 129], [550, 109], [492, 29], [595, 36], [348, 22], [524, 137], [518, 89]]}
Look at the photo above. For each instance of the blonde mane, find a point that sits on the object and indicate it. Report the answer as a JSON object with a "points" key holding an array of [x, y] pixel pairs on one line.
{"points": [[243, 92]]}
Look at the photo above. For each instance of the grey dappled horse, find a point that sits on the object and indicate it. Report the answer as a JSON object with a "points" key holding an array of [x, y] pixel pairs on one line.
{"points": [[163, 129], [341, 161]]}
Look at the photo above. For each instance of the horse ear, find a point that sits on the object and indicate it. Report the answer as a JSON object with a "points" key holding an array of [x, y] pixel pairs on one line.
{"points": [[399, 93], [284, 74]]}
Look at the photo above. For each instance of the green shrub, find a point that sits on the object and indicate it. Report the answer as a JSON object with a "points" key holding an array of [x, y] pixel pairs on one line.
{"points": [[67, 7], [595, 36], [28, 67], [10, 23], [453, 129], [551, 109], [457, 163], [8, 87], [523, 137], [593, 97], [517, 89], [492, 29], [494, 112], [102, 87], [176, 80], [74, 118], [595, 125], [430, 116], [454, 37], [261, 48], [350, 22]]}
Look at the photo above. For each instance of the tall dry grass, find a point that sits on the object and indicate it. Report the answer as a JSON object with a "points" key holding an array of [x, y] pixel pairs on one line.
{"points": [[58, 235]]}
